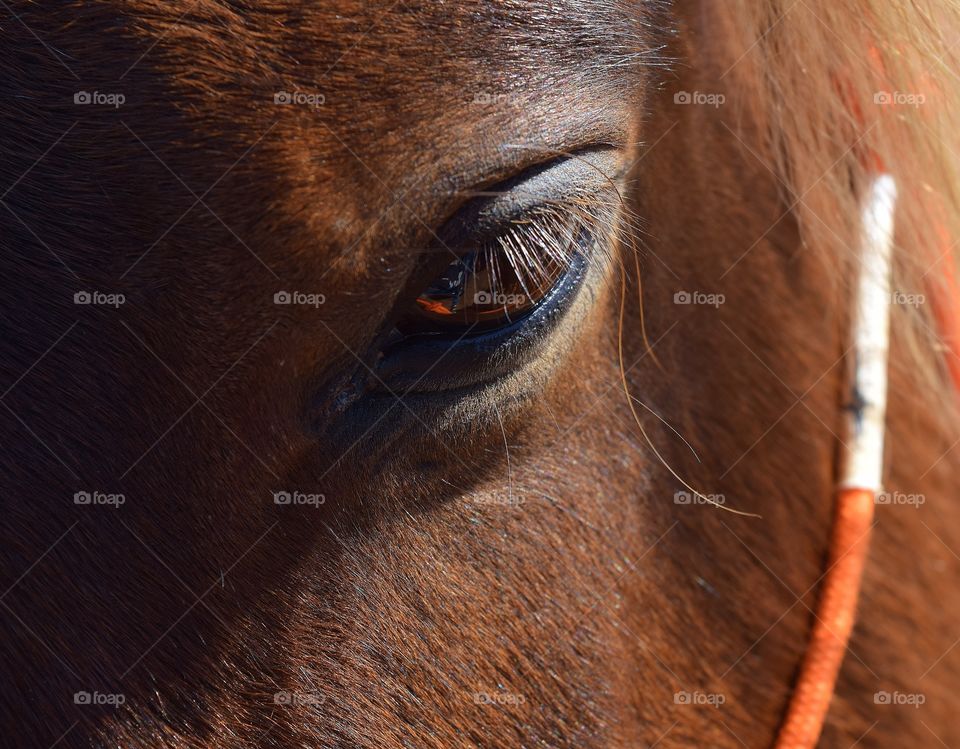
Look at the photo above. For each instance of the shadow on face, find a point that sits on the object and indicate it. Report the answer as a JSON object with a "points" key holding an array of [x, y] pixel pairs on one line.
{"points": [[333, 260]]}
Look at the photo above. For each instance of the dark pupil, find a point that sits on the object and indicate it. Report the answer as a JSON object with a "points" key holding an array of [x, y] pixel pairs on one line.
{"points": [[479, 291]]}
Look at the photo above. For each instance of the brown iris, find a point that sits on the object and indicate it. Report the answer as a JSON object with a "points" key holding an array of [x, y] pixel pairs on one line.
{"points": [[480, 291]]}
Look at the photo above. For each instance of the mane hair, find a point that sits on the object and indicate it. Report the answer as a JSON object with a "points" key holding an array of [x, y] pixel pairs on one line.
{"points": [[830, 94], [845, 89]]}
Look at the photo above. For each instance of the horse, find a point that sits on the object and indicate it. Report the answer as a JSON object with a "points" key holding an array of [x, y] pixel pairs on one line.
{"points": [[466, 374]]}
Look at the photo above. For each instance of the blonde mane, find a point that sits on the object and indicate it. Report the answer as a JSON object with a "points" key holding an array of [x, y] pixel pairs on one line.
{"points": [[843, 89]]}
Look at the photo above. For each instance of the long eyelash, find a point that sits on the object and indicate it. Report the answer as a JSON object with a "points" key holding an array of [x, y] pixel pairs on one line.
{"points": [[549, 238]]}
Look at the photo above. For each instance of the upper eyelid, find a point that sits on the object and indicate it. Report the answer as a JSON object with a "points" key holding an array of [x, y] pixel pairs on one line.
{"points": [[531, 242], [588, 176]]}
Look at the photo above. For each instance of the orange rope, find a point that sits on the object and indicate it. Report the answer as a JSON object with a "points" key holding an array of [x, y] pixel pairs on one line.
{"points": [[807, 711], [834, 623], [849, 544]]}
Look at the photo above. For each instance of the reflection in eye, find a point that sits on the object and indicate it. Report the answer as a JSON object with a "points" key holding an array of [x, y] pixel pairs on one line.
{"points": [[498, 279]]}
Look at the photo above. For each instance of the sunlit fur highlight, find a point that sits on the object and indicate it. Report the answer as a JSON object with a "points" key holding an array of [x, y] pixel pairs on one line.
{"points": [[813, 73]]}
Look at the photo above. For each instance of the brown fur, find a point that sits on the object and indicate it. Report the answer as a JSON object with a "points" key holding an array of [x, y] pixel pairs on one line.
{"points": [[596, 599]]}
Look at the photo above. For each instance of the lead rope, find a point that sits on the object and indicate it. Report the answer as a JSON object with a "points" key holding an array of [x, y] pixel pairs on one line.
{"points": [[861, 477]]}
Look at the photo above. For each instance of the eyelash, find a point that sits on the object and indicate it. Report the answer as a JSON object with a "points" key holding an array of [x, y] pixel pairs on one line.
{"points": [[506, 267], [545, 242]]}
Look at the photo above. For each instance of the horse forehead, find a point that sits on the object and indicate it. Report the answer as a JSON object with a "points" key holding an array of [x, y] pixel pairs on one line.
{"points": [[555, 34], [383, 67], [411, 98], [384, 75]]}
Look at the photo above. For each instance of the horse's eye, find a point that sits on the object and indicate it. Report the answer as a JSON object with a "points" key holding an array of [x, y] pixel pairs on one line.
{"points": [[499, 285], [511, 247], [496, 283]]}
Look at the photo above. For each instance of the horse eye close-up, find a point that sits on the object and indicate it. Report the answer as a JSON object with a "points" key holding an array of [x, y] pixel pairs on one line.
{"points": [[503, 273], [524, 240], [479, 374]]}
